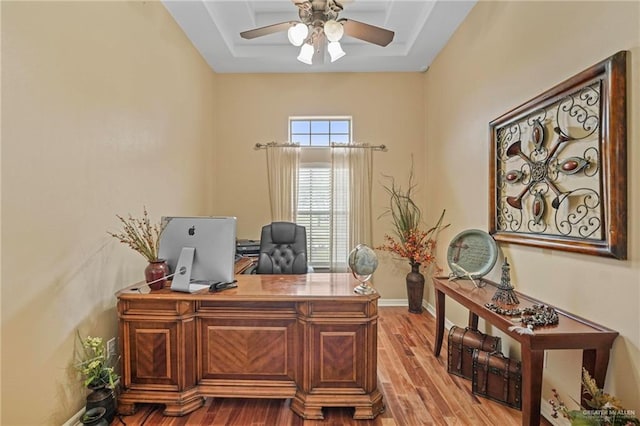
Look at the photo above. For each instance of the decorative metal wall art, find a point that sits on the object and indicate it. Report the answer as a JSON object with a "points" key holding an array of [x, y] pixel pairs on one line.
{"points": [[558, 166]]}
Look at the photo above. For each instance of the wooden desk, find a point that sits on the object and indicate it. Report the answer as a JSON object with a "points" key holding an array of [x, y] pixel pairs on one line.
{"points": [[572, 332], [244, 263], [306, 337]]}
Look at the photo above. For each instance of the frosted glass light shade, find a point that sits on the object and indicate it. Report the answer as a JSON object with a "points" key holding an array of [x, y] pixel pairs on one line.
{"points": [[333, 30], [297, 34], [335, 51], [306, 54]]}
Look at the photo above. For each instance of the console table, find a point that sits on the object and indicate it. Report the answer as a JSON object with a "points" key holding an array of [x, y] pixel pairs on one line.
{"points": [[572, 332], [306, 337]]}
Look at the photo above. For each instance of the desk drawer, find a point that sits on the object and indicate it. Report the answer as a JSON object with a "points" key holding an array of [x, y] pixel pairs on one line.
{"points": [[330, 309]]}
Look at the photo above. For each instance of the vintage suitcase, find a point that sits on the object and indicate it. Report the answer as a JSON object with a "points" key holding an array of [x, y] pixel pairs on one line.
{"points": [[497, 377], [462, 342]]}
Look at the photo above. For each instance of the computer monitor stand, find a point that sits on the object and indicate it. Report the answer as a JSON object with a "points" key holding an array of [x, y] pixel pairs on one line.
{"points": [[182, 278]]}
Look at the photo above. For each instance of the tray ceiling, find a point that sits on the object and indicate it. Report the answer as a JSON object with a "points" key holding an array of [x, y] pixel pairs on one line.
{"points": [[421, 29]]}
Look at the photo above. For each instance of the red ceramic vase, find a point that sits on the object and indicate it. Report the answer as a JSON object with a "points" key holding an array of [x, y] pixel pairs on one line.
{"points": [[155, 274]]}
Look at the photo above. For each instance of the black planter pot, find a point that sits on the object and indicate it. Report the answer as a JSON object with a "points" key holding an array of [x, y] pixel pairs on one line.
{"points": [[94, 417], [103, 397]]}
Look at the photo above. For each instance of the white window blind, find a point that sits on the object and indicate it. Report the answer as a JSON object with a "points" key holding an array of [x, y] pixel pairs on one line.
{"points": [[314, 213]]}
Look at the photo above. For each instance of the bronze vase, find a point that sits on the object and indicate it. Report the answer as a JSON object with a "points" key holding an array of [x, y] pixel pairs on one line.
{"points": [[415, 288], [155, 274]]}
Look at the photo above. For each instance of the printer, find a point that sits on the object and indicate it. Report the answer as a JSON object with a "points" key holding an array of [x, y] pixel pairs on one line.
{"points": [[248, 247]]}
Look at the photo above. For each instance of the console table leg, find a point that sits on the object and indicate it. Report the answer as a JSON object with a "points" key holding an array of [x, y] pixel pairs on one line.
{"points": [[473, 321], [595, 361], [439, 322], [532, 363]]}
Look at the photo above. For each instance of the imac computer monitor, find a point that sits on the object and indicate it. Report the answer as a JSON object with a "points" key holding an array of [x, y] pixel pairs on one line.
{"points": [[200, 251]]}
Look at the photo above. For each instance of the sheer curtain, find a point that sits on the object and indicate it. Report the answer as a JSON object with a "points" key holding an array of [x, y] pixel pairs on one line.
{"points": [[282, 174], [351, 185]]}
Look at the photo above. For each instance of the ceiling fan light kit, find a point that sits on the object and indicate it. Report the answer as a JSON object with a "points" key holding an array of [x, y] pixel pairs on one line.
{"points": [[335, 50], [333, 30], [306, 54], [298, 34], [319, 22]]}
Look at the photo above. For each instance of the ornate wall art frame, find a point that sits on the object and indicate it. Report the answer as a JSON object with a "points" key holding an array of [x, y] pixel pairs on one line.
{"points": [[558, 171]]}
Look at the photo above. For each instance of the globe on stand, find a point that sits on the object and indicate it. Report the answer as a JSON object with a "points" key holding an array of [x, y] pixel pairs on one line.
{"points": [[363, 263]]}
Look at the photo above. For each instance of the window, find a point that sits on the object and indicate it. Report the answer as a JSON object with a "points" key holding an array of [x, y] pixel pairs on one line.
{"points": [[319, 131], [320, 209]]}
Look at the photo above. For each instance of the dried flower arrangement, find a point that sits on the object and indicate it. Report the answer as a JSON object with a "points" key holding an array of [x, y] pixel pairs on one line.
{"points": [[140, 235], [598, 409], [96, 367], [410, 242]]}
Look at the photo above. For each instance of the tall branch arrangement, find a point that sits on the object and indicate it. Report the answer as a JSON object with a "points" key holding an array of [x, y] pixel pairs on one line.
{"points": [[140, 235], [410, 242]]}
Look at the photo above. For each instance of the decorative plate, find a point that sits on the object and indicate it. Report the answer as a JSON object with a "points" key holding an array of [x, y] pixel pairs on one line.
{"points": [[472, 254]]}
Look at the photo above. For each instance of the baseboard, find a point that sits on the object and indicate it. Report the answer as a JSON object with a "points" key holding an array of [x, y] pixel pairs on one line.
{"points": [[403, 302], [432, 310], [75, 419], [392, 302]]}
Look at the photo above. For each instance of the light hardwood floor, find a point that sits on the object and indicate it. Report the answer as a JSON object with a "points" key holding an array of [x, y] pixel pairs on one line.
{"points": [[416, 386]]}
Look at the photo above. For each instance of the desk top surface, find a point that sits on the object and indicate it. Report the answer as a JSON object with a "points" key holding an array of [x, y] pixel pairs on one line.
{"points": [[475, 298], [258, 286]]}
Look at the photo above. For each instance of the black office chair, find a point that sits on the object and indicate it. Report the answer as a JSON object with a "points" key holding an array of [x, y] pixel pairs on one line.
{"points": [[283, 249]]}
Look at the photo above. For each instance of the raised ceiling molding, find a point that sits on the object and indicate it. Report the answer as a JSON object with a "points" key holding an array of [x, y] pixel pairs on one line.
{"points": [[422, 28]]}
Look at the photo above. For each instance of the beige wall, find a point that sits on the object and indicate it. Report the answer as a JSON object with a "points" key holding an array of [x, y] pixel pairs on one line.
{"points": [[504, 54], [107, 107], [386, 109]]}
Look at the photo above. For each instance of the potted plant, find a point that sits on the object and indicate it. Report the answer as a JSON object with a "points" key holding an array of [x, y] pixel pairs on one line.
{"points": [[144, 237], [94, 417], [97, 369], [410, 241], [598, 408]]}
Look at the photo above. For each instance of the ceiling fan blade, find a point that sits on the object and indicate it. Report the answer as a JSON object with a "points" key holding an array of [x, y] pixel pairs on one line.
{"points": [[366, 32], [269, 29]]}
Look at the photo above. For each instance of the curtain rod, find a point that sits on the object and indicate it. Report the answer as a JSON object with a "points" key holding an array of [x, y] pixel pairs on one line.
{"points": [[333, 145]]}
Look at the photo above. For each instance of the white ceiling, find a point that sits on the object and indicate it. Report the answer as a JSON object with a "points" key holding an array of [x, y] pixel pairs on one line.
{"points": [[421, 29]]}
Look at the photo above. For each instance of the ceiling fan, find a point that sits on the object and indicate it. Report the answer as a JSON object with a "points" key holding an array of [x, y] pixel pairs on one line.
{"points": [[318, 24]]}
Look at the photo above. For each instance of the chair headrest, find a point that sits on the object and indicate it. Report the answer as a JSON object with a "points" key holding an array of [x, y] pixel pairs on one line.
{"points": [[283, 232]]}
